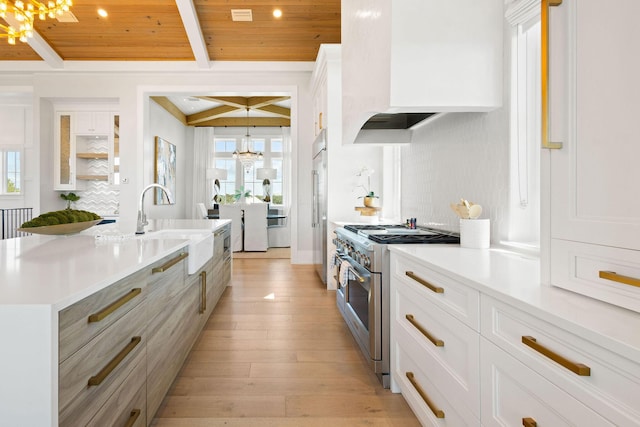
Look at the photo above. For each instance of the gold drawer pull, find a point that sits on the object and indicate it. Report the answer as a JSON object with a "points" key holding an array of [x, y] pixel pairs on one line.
{"points": [[423, 331], [529, 422], [436, 289], [113, 364], [203, 281], [167, 265], [612, 275], [96, 317], [437, 412], [133, 418], [576, 368]]}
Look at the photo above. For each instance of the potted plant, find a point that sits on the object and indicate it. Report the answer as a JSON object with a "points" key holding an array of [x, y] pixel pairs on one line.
{"points": [[71, 197], [370, 197]]}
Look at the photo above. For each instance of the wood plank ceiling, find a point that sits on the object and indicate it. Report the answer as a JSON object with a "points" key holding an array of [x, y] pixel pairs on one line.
{"points": [[184, 30]]}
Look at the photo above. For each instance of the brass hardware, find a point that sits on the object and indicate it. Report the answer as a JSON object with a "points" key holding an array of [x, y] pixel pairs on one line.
{"points": [[544, 83], [203, 281], [418, 326], [437, 412], [113, 364], [96, 317], [133, 418], [529, 422], [612, 275], [167, 265], [576, 368], [436, 289]]}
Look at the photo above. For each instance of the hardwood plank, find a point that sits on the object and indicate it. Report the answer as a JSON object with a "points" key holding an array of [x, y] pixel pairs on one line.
{"points": [[287, 361]]}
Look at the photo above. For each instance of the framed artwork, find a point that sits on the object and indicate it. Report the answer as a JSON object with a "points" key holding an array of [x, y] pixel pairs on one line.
{"points": [[165, 171]]}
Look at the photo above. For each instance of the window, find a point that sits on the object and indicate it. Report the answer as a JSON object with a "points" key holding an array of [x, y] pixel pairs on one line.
{"points": [[524, 200], [237, 176], [10, 171]]}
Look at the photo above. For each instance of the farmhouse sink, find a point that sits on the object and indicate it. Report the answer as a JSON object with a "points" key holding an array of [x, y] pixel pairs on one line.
{"points": [[200, 244]]}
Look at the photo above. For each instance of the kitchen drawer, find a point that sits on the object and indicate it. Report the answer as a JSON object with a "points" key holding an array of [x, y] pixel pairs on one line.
{"points": [[511, 392], [612, 385], [577, 266], [128, 405], [455, 298], [113, 354], [451, 359], [423, 389], [85, 319], [164, 286]]}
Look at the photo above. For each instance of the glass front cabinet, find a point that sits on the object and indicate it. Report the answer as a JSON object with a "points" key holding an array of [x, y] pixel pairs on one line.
{"points": [[87, 148]]}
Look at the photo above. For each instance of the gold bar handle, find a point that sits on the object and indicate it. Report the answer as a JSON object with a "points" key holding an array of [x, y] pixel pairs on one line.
{"points": [[203, 282], [613, 276], [437, 412], [529, 422], [113, 364], [436, 289], [544, 83], [133, 417], [167, 265], [576, 368], [437, 342], [96, 317]]}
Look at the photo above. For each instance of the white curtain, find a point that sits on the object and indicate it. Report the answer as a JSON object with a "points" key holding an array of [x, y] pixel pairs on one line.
{"points": [[202, 191]]}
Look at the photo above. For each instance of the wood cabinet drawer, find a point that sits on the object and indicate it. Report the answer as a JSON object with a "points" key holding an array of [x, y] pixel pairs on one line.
{"points": [[577, 266], [164, 286], [612, 385], [85, 319], [511, 392], [89, 377], [414, 378], [455, 298], [128, 404], [446, 349]]}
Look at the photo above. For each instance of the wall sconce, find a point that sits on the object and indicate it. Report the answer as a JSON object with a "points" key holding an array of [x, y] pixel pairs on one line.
{"points": [[266, 174], [216, 174]]}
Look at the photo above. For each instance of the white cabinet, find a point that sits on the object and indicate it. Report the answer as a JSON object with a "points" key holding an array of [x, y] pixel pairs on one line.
{"points": [[434, 344], [419, 56], [594, 86], [86, 149]]}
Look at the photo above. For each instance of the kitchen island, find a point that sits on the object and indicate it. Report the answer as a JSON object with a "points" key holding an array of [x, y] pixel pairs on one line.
{"points": [[42, 277]]}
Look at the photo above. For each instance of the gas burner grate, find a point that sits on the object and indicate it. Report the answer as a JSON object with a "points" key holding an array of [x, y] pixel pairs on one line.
{"points": [[414, 238]]}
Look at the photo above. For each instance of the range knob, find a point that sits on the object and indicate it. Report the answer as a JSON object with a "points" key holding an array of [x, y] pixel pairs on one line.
{"points": [[366, 261]]}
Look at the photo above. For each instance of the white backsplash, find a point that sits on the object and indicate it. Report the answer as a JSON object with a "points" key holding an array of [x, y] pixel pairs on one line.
{"points": [[98, 197], [459, 155]]}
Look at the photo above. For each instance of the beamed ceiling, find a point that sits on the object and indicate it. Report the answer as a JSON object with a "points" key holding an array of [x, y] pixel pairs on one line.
{"points": [[197, 31]]}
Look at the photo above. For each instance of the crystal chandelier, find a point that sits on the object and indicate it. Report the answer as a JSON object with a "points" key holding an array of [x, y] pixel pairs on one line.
{"points": [[246, 156], [23, 13]]}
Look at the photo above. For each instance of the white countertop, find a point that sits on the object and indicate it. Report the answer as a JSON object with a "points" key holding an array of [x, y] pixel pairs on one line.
{"points": [[61, 270], [515, 279]]}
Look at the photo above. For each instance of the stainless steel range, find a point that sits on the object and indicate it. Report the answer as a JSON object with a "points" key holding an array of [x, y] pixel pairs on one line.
{"points": [[362, 268]]}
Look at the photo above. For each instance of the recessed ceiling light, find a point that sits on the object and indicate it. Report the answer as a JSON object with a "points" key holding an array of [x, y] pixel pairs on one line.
{"points": [[103, 13], [277, 13]]}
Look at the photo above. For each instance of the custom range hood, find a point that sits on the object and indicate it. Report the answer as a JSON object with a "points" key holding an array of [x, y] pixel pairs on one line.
{"points": [[404, 63]]}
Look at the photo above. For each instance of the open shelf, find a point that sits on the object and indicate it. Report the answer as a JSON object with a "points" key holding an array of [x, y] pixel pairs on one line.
{"points": [[92, 155], [92, 177]]}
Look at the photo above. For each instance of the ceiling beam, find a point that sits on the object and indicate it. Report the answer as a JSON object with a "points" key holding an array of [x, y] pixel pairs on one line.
{"points": [[243, 122], [39, 45], [211, 114], [276, 110], [261, 101], [164, 102], [194, 32]]}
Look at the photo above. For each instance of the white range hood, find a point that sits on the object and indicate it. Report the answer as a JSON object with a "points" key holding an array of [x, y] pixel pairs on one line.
{"points": [[417, 56]]}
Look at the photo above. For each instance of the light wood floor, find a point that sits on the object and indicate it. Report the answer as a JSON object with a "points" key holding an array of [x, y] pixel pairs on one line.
{"points": [[276, 353]]}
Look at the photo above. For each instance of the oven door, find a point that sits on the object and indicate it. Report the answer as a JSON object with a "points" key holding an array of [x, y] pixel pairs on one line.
{"points": [[363, 309]]}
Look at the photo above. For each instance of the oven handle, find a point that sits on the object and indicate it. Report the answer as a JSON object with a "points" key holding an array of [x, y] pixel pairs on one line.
{"points": [[338, 261]]}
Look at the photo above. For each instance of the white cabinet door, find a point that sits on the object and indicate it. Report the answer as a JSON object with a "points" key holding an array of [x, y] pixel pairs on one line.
{"points": [[89, 122], [594, 110]]}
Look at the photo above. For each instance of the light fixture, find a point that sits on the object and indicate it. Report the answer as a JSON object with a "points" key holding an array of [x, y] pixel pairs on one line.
{"points": [[216, 174], [102, 13], [21, 14], [266, 174], [247, 157], [277, 13]]}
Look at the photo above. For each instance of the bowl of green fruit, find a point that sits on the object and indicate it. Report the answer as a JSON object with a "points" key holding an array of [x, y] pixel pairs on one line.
{"points": [[66, 221]]}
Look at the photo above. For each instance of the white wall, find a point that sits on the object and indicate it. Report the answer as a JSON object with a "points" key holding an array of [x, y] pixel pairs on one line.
{"points": [[132, 84]]}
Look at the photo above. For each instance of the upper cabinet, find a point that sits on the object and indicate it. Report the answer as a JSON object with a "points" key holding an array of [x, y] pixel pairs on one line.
{"points": [[419, 56], [594, 110], [86, 149]]}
